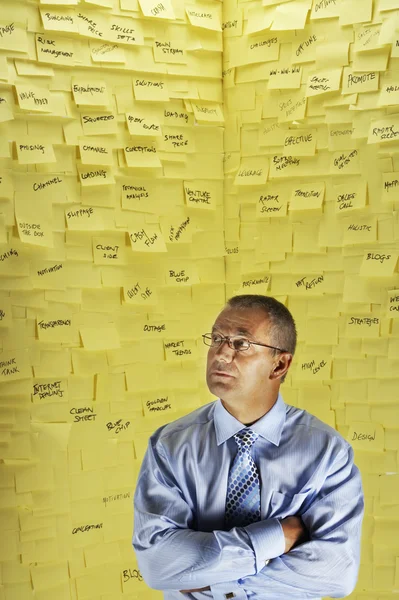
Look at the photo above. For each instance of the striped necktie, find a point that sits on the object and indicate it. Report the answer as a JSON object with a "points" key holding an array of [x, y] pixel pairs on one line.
{"points": [[243, 490]]}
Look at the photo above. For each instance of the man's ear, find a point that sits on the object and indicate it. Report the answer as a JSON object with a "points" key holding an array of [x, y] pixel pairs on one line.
{"points": [[282, 365]]}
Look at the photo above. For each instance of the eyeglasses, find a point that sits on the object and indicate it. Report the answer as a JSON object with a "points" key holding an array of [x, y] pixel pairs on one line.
{"points": [[235, 342]]}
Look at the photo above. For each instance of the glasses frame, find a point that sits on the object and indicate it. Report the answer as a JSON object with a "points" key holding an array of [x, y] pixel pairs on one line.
{"points": [[227, 338]]}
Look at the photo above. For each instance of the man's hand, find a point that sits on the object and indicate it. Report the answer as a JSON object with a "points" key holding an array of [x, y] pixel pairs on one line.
{"points": [[197, 590], [295, 532]]}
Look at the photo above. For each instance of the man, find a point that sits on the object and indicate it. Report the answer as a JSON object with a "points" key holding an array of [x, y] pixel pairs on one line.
{"points": [[247, 497]]}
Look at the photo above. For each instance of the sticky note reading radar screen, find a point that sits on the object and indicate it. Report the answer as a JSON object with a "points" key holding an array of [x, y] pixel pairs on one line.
{"points": [[148, 239]]}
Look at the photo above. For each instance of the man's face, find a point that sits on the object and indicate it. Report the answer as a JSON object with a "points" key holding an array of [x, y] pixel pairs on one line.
{"points": [[241, 376]]}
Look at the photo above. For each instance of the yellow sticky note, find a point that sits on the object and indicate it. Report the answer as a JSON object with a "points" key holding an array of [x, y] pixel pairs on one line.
{"points": [[362, 326], [100, 338], [254, 283], [92, 176], [355, 11], [48, 389], [257, 49], [148, 239], [157, 9], [140, 195], [392, 310], [84, 218], [170, 51], [359, 82], [201, 194], [345, 162], [139, 124], [95, 154], [178, 228], [151, 88], [108, 251], [322, 82], [13, 36], [204, 16], [325, 9], [366, 436], [309, 285], [59, 19], [107, 52], [91, 24], [31, 152], [340, 137], [15, 364], [259, 19], [350, 196], [143, 154], [124, 30], [292, 106], [367, 37], [360, 230], [157, 403], [55, 50], [384, 130], [378, 264], [177, 140], [180, 349], [290, 16], [98, 123], [389, 489], [304, 47], [141, 292], [271, 202], [6, 318], [207, 112], [179, 272], [301, 142], [33, 220], [34, 98], [91, 93], [285, 78], [307, 196], [314, 367], [55, 326], [252, 171], [389, 93], [390, 182]]}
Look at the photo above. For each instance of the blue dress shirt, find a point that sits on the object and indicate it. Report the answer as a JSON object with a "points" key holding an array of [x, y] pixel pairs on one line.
{"points": [[306, 468]]}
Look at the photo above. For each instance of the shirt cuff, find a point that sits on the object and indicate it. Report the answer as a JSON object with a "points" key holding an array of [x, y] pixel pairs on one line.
{"points": [[268, 541], [228, 590]]}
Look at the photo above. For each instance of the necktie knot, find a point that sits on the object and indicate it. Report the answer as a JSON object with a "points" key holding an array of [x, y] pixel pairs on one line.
{"points": [[245, 438]]}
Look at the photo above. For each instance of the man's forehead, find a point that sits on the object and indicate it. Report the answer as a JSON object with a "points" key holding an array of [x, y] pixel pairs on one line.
{"points": [[244, 320]]}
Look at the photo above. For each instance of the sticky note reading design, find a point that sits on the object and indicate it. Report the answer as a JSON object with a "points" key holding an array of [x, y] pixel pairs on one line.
{"points": [[200, 194], [158, 402], [178, 349], [366, 436], [378, 264], [143, 125], [153, 89], [157, 9], [208, 112], [300, 142], [148, 239], [206, 17], [362, 326], [33, 98], [100, 176], [142, 292], [15, 364], [55, 50], [92, 93], [142, 155], [384, 130], [393, 304], [323, 82], [307, 196], [314, 368]]}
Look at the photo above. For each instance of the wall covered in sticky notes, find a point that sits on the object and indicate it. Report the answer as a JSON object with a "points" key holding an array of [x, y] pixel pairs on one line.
{"points": [[157, 157]]}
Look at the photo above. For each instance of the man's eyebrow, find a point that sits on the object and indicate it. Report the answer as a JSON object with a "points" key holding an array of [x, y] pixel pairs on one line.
{"points": [[240, 330]]}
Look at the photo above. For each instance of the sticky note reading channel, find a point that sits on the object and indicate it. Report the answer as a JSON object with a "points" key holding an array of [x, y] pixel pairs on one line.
{"points": [[384, 130], [143, 125], [101, 176], [177, 349], [323, 82], [158, 402], [142, 292], [95, 154], [15, 364], [378, 264], [142, 155], [157, 9], [150, 88], [366, 436], [314, 367], [148, 239], [92, 93], [204, 16], [200, 194], [34, 98]]}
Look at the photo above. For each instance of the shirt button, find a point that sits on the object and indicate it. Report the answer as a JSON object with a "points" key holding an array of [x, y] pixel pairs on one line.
{"points": [[229, 595], [267, 562]]}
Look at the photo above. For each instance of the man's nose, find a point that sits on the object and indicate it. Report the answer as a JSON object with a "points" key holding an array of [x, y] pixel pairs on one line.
{"points": [[225, 352]]}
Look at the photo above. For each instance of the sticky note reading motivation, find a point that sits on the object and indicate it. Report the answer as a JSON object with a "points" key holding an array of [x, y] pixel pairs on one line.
{"points": [[366, 436], [147, 239], [200, 194], [150, 88], [93, 93], [178, 349], [378, 264]]}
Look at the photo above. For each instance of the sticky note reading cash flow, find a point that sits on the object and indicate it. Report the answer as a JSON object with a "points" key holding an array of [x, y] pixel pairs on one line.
{"points": [[178, 349], [147, 239], [393, 304], [99, 123], [15, 364], [384, 130], [350, 196], [95, 154], [323, 82], [107, 52], [139, 124], [55, 50], [150, 88], [33, 98], [157, 9], [207, 112], [271, 203], [34, 220], [366, 436], [362, 326], [200, 194], [59, 19], [314, 367], [252, 171], [157, 402], [307, 196], [141, 292], [93, 176], [30, 152], [204, 16], [13, 36], [390, 186], [142, 154], [378, 264], [92, 93], [300, 142]]}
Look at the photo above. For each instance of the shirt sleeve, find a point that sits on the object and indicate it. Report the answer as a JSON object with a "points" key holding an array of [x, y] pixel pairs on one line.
{"points": [[173, 556], [327, 564]]}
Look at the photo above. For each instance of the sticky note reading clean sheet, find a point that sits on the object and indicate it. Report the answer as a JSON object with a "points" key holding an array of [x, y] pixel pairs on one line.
{"points": [[92, 93]]}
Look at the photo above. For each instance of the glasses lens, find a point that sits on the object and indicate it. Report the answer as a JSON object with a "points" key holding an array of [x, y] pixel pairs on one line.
{"points": [[240, 343], [207, 339]]}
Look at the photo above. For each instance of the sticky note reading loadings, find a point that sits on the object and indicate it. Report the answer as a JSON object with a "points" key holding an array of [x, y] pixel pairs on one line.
{"points": [[100, 176], [92, 93], [148, 239]]}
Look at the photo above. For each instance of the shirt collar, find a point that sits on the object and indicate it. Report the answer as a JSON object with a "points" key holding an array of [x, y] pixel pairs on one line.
{"points": [[270, 426]]}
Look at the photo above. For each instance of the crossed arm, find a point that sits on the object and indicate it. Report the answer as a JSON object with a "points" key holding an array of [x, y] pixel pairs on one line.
{"points": [[172, 556]]}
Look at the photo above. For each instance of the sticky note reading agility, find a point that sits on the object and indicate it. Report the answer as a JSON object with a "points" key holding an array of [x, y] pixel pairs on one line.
{"points": [[147, 239], [93, 93]]}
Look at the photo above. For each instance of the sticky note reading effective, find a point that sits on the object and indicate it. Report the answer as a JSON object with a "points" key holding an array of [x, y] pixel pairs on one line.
{"points": [[300, 143]]}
